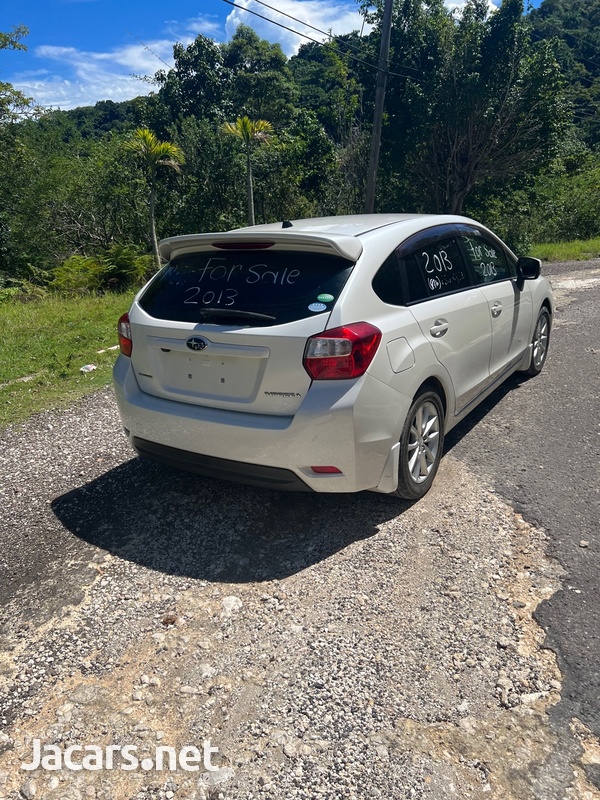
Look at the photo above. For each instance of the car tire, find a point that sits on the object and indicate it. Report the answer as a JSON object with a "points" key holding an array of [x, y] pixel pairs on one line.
{"points": [[539, 343], [421, 446]]}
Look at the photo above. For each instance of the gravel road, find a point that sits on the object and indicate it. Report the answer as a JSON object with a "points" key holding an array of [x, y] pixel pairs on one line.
{"points": [[329, 647]]}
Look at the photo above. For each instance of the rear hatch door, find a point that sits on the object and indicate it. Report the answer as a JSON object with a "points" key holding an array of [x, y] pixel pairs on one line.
{"points": [[226, 326]]}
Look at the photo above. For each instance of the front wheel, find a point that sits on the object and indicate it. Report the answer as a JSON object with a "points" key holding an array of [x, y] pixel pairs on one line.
{"points": [[420, 446], [539, 343]]}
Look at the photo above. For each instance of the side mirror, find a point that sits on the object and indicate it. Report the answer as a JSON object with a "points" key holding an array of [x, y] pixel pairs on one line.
{"points": [[528, 269]]}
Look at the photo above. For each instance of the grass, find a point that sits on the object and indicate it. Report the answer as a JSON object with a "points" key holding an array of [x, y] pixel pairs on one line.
{"points": [[567, 251], [44, 345]]}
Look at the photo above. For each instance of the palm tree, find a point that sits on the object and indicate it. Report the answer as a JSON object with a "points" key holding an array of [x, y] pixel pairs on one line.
{"points": [[250, 132], [153, 154]]}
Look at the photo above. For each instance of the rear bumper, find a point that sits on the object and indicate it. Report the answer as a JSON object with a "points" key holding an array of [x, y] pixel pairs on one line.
{"points": [[221, 468], [352, 425]]}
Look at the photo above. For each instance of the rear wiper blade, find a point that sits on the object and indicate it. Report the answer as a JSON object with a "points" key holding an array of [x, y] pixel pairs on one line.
{"points": [[224, 312]]}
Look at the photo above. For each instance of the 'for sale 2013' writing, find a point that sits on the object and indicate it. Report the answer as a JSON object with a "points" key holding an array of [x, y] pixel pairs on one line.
{"points": [[211, 277]]}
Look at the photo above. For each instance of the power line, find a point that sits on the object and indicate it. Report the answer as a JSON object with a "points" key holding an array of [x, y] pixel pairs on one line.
{"points": [[582, 116], [583, 79], [325, 33], [149, 49], [566, 33], [289, 16], [316, 41]]}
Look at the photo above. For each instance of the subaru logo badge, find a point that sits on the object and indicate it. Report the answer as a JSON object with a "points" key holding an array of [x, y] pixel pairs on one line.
{"points": [[196, 343]]}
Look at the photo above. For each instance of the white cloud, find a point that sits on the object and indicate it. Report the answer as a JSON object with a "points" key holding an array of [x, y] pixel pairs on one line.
{"points": [[137, 58], [329, 16], [208, 26], [73, 77], [457, 5], [55, 91], [82, 77]]}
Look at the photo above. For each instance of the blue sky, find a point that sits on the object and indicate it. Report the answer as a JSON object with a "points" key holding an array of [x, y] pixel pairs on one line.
{"points": [[82, 51]]}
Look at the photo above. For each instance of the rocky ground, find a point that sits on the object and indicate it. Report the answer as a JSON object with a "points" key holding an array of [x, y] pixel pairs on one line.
{"points": [[329, 647]]}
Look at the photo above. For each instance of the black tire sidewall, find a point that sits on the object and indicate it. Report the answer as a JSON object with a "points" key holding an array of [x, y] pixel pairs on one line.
{"points": [[407, 488], [533, 370]]}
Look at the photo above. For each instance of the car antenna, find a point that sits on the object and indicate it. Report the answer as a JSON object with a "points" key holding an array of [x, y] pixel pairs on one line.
{"points": [[286, 224]]}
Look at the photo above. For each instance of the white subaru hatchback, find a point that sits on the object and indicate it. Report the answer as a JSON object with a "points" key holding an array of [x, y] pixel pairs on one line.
{"points": [[327, 355]]}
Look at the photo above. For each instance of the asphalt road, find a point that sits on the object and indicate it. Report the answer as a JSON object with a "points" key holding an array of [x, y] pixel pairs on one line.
{"points": [[537, 442]]}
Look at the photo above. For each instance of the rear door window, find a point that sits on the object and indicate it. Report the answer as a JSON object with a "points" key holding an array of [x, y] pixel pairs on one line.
{"points": [[245, 287], [434, 268]]}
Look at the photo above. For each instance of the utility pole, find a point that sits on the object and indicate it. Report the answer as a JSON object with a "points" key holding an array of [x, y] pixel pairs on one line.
{"points": [[384, 51]]}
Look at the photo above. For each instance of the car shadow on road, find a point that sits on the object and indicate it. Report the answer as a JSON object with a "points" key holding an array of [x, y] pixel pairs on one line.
{"points": [[186, 525], [464, 427]]}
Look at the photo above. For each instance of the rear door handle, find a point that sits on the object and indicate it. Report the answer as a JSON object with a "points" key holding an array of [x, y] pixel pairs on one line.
{"points": [[439, 328], [496, 309]]}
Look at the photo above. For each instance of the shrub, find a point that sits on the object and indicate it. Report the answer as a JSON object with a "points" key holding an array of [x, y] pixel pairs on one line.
{"points": [[19, 290], [80, 275], [8, 294], [129, 266], [119, 268]]}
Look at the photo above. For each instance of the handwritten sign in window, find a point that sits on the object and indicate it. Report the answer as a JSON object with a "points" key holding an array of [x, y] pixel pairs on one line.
{"points": [[435, 269], [488, 261], [267, 287], [214, 281]]}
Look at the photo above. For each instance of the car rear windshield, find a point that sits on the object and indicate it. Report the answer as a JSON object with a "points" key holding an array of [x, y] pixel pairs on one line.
{"points": [[245, 287]]}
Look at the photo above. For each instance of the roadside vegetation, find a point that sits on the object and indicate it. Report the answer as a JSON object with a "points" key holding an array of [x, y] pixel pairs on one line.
{"points": [[567, 251], [46, 341]]}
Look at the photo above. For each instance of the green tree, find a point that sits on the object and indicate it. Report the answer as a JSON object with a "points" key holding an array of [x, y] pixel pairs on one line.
{"points": [[575, 26], [209, 80], [260, 85], [485, 104], [13, 103], [207, 196], [153, 154], [198, 83], [329, 85], [292, 177], [67, 196], [251, 133]]}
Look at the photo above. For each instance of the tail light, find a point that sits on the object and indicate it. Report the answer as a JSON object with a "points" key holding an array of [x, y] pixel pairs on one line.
{"points": [[341, 353], [124, 329]]}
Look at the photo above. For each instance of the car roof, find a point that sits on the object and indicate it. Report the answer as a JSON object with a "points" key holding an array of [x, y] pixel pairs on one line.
{"points": [[349, 224]]}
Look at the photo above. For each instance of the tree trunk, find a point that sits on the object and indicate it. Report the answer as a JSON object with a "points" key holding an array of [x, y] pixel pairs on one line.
{"points": [[153, 239], [455, 206], [249, 189], [456, 200]]}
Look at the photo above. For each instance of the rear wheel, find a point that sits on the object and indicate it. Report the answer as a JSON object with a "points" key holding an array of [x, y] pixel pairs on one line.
{"points": [[420, 446], [539, 343]]}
